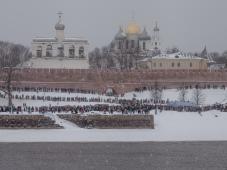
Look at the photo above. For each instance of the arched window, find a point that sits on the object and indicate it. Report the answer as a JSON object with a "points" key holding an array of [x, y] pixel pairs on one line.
{"points": [[72, 51], [49, 51], [144, 45], [178, 64], [39, 51], [172, 64], [190, 64], [61, 51], [81, 52]]}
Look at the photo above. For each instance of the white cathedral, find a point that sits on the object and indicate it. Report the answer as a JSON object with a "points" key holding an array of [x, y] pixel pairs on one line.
{"points": [[134, 38], [59, 52]]}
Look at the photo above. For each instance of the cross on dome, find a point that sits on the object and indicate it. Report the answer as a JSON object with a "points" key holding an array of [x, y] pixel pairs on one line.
{"points": [[60, 14]]}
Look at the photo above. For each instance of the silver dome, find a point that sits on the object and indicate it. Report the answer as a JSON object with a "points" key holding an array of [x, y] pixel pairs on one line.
{"points": [[120, 35], [144, 35], [60, 26]]}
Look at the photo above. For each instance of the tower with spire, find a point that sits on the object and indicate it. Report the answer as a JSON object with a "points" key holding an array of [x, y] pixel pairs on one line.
{"points": [[60, 27], [156, 42]]}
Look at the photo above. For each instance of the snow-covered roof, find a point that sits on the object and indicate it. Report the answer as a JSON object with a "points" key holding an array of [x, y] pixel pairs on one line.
{"points": [[217, 66], [42, 39], [71, 39], [146, 59], [74, 39], [178, 55]]}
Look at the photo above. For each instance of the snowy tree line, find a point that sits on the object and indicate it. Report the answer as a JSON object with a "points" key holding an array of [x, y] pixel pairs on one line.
{"points": [[108, 58], [105, 58]]}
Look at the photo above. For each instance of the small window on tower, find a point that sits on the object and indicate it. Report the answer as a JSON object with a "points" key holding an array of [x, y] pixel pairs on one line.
{"points": [[156, 43]]}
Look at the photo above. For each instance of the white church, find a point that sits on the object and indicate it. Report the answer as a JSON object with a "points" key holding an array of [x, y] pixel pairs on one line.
{"points": [[59, 52]]}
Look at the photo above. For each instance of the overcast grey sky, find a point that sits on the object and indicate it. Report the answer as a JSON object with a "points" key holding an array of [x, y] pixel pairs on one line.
{"points": [[187, 24]]}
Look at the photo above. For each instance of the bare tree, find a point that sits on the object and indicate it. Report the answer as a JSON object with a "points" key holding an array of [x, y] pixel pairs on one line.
{"points": [[198, 97], [109, 57], [156, 95], [95, 58], [11, 57], [182, 94]]}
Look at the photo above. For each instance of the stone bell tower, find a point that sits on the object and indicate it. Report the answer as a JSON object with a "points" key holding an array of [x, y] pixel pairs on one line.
{"points": [[60, 27]]}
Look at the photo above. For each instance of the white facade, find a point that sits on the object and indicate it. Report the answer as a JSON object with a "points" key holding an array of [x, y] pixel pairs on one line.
{"points": [[175, 61], [60, 49]]}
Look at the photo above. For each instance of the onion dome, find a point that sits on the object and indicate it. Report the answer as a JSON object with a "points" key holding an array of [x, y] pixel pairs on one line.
{"points": [[133, 28], [120, 35], [60, 25], [144, 35]]}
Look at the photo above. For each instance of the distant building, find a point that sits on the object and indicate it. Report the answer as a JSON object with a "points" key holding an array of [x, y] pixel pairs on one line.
{"points": [[211, 64], [135, 39], [176, 61], [59, 52], [133, 44]]}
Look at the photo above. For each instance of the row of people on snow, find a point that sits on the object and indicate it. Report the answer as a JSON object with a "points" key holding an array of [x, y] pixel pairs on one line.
{"points": [[81, 99], [111, 109]]}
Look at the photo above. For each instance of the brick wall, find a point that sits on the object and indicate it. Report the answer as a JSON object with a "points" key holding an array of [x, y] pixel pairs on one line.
{"points": [[112, 121], [120, 81]]}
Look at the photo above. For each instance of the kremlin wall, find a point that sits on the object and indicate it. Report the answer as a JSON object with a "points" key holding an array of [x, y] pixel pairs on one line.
{"points": [[120, 81]]}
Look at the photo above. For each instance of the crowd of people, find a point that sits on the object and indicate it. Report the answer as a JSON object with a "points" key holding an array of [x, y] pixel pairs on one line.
{"points": [[58, 98], [46, 89], [104, 104], [129, 108]]}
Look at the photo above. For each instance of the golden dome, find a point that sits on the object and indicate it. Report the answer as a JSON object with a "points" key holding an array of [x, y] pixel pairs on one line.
{"points": [[133, 28]]}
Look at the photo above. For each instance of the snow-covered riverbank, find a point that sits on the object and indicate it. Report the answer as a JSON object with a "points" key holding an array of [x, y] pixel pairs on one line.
{"points": [[169, 126]]}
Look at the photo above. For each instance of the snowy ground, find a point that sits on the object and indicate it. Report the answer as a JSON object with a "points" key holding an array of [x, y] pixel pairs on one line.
{"points": [[211, 96], [169, 126]]}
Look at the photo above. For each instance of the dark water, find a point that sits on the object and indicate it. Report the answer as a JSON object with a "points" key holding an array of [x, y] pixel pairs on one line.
{"points": [[114, 156]]}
